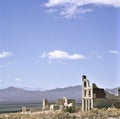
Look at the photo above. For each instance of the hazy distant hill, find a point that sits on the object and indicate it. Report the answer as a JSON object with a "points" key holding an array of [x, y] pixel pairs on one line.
{"points": [[18, 94], [113, 91]]}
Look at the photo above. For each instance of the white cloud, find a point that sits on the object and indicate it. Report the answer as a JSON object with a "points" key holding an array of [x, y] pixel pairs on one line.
{"points": [[59, 54], [52, 3], [18, 79], [5, 54], [43, 55], [73, 11], [51, 10], [113, 52], [73, 8]]}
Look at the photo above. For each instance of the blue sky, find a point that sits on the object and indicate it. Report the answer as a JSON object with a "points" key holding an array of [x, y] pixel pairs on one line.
{"points": [[51, 43]]}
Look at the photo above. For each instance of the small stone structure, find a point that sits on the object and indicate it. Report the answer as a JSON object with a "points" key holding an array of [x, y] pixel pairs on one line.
{"points": [[69, 102], [45, 104], [54, 107], [60, 105], [24, 109], [89, 94]]}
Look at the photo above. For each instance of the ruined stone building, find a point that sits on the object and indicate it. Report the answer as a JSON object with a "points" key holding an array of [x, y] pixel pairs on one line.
{"points": [[119, 92], [61, 104], [89, 93], [24, 110], [45, 104], [98, 92]]}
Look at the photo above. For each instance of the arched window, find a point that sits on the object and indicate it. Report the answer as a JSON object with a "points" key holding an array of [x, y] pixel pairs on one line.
{"points": [[85, 84], [89, 93]]}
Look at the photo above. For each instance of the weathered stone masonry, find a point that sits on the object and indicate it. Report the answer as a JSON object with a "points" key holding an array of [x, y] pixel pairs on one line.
{"points": [[89, 94]]}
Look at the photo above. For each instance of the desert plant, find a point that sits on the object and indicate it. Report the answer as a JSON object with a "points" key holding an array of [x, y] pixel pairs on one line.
{"points": [[72, 109]]}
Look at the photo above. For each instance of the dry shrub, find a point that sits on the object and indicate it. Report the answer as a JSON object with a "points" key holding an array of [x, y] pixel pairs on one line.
{"points": [[113, 112], [93, 114], [83, 115]]}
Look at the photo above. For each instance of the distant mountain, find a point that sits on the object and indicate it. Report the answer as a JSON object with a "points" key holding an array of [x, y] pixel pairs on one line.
{"points": [[17, 94], [13, 94], [113, 91], [12, 90], [69, 92]]}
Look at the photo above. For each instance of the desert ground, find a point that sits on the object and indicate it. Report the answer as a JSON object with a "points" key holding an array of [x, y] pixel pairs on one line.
{"points": [[111, 113]]}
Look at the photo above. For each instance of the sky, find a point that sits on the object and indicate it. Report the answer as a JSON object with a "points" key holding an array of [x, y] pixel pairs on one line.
{"points": [[47, 44]]}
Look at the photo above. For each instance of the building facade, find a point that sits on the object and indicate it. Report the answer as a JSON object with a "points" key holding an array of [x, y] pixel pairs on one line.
{"points": [[118, 92], [87, 94], [90, 92]]}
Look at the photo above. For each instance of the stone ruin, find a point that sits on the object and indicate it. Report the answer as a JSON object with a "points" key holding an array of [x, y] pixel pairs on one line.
{"points": [[24, 109], [60, 105], [45, 104], [119, 92], [90, 92]]}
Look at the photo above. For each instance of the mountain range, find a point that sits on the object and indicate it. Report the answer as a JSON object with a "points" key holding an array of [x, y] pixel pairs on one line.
{"points": [[13, 94]]}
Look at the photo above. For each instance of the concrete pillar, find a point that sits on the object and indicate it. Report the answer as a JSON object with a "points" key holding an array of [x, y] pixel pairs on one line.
{"points": [[83, 105], [45, 103], [86, 105], [92, 103]]}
